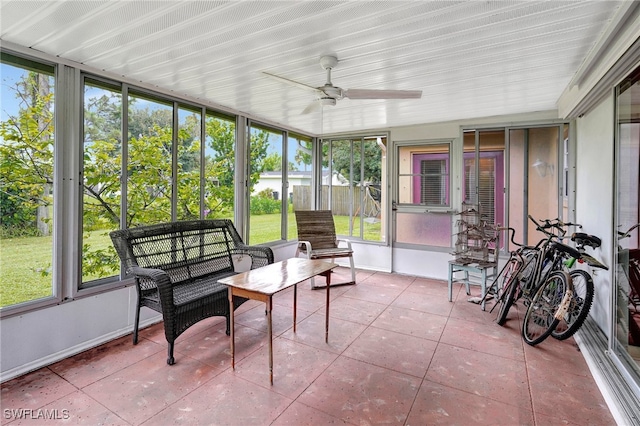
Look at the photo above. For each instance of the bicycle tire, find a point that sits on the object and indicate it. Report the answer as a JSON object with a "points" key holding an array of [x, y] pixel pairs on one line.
{"points": [[580, 305], [540, 319], [509, 281]]}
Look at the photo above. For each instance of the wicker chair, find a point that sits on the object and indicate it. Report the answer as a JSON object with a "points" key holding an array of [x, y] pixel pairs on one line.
{"points": [[177, 266], [317, 240]]}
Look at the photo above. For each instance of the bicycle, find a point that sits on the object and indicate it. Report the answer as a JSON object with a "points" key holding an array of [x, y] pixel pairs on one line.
{"points": [[583, 289], [528, 267], [553, 298], [507, 278]]}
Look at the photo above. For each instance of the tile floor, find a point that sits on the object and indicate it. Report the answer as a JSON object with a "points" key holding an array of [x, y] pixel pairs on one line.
{"points": [[398, 353]]}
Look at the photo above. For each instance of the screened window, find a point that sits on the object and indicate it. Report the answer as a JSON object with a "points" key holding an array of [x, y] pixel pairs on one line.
{"points": [[26, 180], [189, 163], [220, 166], [266, 181], [167, 178], [102, 166], [352, 182], [149, 165], [627, 220], [299, 179]]}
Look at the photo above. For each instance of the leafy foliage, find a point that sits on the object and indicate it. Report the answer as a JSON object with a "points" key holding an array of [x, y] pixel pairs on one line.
{"points": [[26, 166], [26, 158]]}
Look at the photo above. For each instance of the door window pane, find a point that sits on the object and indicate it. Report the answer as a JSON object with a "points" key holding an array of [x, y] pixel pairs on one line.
{"points": [[484, 173], [26, 180], [432, 229]]}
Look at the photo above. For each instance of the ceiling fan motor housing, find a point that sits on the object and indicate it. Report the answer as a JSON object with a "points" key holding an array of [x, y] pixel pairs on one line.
{"points": [[326, 101]]}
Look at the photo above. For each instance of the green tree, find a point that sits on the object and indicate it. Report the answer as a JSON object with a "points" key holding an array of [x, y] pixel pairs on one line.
{"points": [[26, 158], [273, 163], [26, 164], [341, 158]]}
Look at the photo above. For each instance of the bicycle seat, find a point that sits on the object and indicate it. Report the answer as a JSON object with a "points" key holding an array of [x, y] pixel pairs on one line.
{"points": [[563, 248], [583, 239]]}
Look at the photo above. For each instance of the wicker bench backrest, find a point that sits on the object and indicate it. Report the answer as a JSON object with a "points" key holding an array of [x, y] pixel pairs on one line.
{"points": [[184, 250]]}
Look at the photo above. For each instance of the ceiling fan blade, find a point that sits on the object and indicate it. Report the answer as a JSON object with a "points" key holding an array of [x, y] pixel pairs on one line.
{"points": [[291, 82], [312, 107], [382, 94]]}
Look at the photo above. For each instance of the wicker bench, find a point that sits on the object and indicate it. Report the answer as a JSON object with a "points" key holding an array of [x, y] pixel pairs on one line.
{"points": [[177, 266]]}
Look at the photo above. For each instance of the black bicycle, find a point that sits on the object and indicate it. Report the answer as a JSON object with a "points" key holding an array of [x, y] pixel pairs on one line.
{"points": [[583, 289]]}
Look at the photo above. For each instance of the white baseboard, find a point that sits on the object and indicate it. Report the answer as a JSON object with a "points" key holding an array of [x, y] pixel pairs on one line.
{"points": [[71, 351]]}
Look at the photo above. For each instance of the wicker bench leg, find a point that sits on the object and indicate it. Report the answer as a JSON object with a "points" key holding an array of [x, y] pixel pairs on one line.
{"points": [[135, 326], [170, 359]]}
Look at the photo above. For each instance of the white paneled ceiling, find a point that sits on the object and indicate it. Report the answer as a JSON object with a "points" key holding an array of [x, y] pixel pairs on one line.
{"points": [[470, 59]]}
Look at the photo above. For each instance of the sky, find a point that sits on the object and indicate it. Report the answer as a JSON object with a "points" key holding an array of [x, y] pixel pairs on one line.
{"points": [[8, 103]]}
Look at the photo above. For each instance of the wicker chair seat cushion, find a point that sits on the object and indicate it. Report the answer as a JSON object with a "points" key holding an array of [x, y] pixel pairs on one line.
{"points": [[189, 292]]}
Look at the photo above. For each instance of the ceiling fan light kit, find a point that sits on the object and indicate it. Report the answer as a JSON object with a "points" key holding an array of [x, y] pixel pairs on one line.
{"points": [[328, 95]]}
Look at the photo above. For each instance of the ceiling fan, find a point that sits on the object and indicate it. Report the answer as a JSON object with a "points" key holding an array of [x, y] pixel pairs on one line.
{"points": [[328, 94]]}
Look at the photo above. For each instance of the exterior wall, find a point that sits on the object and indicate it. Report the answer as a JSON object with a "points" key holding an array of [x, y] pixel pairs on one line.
{"points": [[40, 337], [594, 192]]}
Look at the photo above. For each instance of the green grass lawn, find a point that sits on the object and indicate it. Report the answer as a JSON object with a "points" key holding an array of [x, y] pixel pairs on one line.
{"points": [[25, 263]]}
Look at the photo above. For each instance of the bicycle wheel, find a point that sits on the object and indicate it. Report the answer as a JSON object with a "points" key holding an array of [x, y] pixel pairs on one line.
{"points": [[539, 320], [507, 285], [579, 307]]}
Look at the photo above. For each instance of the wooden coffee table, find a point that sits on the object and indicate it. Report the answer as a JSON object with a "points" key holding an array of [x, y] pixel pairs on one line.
{"points": [[262, 283]]}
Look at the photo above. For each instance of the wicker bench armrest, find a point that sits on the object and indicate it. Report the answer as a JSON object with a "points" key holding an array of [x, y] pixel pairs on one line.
{"points": [[162, 281], [260, 255]]}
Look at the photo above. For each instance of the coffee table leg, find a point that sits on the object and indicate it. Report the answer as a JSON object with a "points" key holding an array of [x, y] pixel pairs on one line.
{"points": [[326, 320], [269, 332], [232, 327], [295, 305]]}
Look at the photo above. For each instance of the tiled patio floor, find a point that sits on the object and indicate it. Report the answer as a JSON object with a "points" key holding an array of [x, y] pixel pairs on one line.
{"points": [[398, 353]]}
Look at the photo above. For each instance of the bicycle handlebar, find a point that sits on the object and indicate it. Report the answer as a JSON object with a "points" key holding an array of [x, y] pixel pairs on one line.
{"points": [[556, 223], [513, 234], [627, 233]]}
